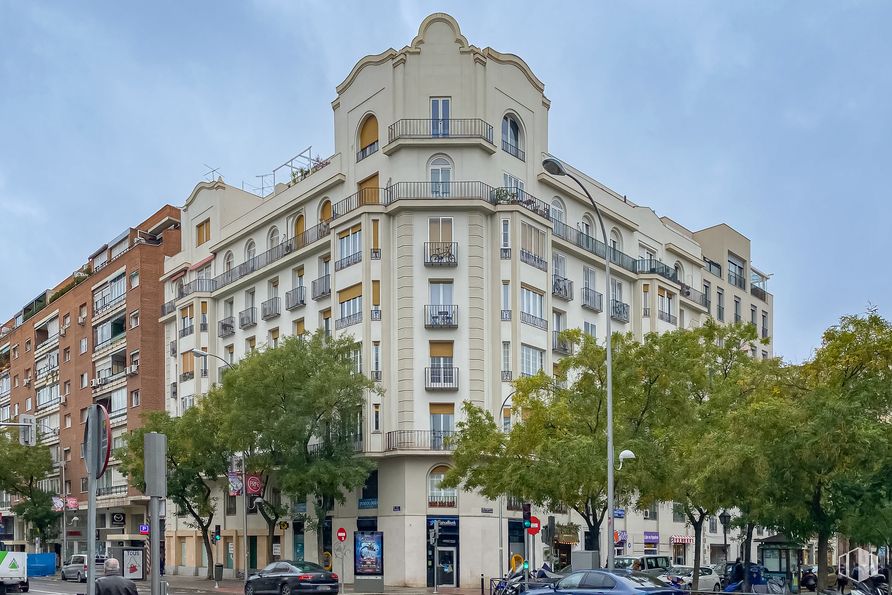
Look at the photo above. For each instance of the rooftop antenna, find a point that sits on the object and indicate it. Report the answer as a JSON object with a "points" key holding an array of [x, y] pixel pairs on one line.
{"points": [[211, 174]]}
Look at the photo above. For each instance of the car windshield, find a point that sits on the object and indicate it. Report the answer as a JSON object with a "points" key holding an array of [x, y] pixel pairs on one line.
{"points": [[646, 581], [307, 567]]}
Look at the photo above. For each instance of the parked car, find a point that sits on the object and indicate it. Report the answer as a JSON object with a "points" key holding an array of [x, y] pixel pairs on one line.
{"points": [[76, 568], [617, 581], [709, 578], [286, 577]]}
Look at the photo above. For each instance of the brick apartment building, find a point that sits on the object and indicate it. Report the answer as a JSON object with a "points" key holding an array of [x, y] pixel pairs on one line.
{"points": [[82, 342]]}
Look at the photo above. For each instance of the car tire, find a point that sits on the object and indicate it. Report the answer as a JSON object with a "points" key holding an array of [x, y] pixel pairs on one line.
{"points": [[80, 577], [62, 576], [249, 589], [285, 589], [716, 587], [24, 588]]}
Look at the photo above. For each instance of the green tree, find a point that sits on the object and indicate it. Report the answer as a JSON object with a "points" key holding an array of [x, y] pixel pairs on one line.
{"points": [[197, 459], [295, 411], [21, 470]]}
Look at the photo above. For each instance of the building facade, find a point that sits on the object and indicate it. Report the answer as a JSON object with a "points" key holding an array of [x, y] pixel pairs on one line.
{"points": [[94, 338], [435, 238]]}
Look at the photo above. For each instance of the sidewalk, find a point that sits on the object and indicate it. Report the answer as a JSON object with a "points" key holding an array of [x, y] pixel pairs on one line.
{"points": [[199, 583]]}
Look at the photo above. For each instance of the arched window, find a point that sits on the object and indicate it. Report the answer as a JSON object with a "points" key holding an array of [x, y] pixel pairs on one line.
{"points": [[440, 168], [250, 250], [325, 211], [272, 238], [679, 272], [438, 496], [587, 225], [512, 139], [368, 137], [227, 262], [616, 240], [298, 225], [558, 212]]}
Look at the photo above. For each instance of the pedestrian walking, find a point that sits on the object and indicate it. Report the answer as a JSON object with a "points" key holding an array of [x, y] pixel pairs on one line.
{"points": [[738, 574], [113, 583]]}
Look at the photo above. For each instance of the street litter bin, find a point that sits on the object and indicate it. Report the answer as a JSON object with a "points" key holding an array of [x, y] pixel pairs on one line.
{"points": [[218, 572]]}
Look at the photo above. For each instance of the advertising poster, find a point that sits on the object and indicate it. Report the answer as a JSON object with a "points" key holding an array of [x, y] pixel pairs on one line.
{"points": [[368, 555], [235, 483], [133, 564]]}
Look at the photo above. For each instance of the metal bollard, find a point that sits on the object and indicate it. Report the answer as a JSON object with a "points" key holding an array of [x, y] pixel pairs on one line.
{"points": [[481, 583]]}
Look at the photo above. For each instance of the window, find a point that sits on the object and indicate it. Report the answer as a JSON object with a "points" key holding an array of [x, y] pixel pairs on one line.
{"points": [[134, 319], [735, 272], [439, 229], [589, 328], [531, 302], [506, 234], [83, 346], [559, 264], [651, 511], [227, 262], [713, 525], [753, 315], [66, 320], [15, 352], [558, 212], [250, 343], [28, 345], [753, 351], [437, 495], [230, 504], [442, 423], [325, 210], [118, 402], [737, 316], [66, 354], [720, 304], [67, 387], [706, 290], [368, 137], [616, 240], [506, 296], [376, 356], [85, 380], [351, 304], [616, 289], [532, 240], [764, 354], [350, 241], [28, 404], [376, 417], [83, 483], [764, 323], [440, 113], [440, 176], [250, 250], [202, 232], [532, 360], [506, 356], [299, 327], [678, 515], [134, 279], [273, 338], [511, 136], [441, 293], [272, 238], [134, 398]]}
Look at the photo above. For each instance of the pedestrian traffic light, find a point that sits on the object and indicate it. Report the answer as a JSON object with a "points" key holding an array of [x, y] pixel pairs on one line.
{"points": [[216, 533], [527, 515], [526, 565]]}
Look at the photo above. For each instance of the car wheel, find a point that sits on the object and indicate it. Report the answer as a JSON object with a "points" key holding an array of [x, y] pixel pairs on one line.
{"points": [[285, 589], [716, 587], [80, 578], [62, 576], [249, 589], [24, 588]]}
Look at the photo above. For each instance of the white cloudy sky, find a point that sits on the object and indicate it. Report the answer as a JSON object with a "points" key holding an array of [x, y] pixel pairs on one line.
{"points": [[771, 116]]}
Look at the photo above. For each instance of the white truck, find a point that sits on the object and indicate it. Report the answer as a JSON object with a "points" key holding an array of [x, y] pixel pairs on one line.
{"points": [[13, 572]]}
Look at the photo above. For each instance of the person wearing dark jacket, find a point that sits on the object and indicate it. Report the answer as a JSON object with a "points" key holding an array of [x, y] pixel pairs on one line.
{"points": [[112, 583], [738, 574]]}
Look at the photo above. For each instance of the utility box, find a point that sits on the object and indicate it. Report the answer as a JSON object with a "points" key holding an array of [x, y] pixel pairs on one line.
{"points": [[218, 572], [585, 560]]}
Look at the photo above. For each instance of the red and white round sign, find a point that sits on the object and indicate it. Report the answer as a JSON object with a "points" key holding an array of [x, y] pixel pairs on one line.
{"points": [[255, 486], [72, 503], [342, 534]]}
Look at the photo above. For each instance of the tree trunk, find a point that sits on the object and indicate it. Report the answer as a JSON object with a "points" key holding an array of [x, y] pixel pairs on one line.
{"points": [[205, 536], [823, 541], [698, 538], [270, 534], [747, 545]]}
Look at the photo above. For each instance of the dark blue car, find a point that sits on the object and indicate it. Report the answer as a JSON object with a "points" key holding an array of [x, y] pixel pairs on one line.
{"points": [[601, 582]]}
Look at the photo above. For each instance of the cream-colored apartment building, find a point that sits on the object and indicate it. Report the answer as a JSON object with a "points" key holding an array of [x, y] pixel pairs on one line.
{"points": [[434, 236]]}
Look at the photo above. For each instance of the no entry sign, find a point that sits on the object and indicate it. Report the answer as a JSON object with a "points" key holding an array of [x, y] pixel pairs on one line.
{"points": [[342, 534], [535, 525]]}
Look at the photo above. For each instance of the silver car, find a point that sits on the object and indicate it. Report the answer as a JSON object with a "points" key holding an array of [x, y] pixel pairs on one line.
{"points": [[76, 568]]}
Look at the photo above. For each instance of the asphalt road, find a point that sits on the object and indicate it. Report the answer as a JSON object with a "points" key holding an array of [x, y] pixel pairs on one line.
{"points": [[53, 586]]}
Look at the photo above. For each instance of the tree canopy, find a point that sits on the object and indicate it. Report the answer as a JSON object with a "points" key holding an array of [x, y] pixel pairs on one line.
{"points": [[22, 468]]}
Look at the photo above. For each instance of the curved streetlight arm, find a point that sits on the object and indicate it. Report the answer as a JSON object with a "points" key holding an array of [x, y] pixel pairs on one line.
{"points": [[205, 354]]}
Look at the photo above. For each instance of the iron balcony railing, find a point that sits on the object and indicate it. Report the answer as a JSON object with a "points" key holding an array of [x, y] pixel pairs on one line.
{"points": [[203, 327], [513, 150], [270, 308], [592, 300], [363, 196], [562, 287], [467, 190], [441, 378], [111, 490], [108, 342], [735, 279], [443, 254], [420, 440], [439, 128], [168, 307], [533, 260], [375, 254], [226, 327], [507, 376], [173, 348], [295, 298], [196, 285], [348, 260], [654, 266], [321, 287], [645, 312], [505, 253], [506, 315], [698, 297], [758, 292], [441, 316], [376, 314], [560, 344], [441, 501], [364, 152], [107, 303], [247, 317], [527, 318], [667, 317], [349, 320], [187, 376], [596, 247], [187, 330], [619, 311], [509, 195]]}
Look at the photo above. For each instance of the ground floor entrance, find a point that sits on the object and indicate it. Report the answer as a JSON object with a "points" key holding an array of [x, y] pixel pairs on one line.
{"points": [[443, 556]]}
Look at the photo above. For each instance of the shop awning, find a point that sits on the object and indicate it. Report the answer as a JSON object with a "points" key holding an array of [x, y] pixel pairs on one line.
{"points": [[681, 539]]}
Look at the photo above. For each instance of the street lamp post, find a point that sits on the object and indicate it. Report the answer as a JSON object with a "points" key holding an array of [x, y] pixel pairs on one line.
{"points": [[725, 519], [501, 503], [556, 168]]}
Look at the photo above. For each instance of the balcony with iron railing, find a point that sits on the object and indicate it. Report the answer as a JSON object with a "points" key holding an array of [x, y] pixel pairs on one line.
{"points": [[441, 316], [362, 197], [197, 286], [270, 308], [507, 376], [440, 129], [295, 298], [645, 312], [187, 330], [168, 307], [226, 327], [375, 254], [106, 303], [562, 287], [376, 314], [247, 317], [506, 315], [467, 190], [513, 150], [348, 320], [187, 375], [367, 150], [441, 378], [532, 320], [419, 440], [619, 311], [592, 300], [560, 344], [321, 287], [667, 317], [441, 254], [736, 279], [114, 490], [593, 246], [348, 260], [442, 500], [698, 297], [759, 292], [655, 267], [505, 253], [533, 260]]}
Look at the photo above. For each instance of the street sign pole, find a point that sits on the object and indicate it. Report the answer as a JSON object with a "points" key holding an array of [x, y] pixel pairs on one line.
{"points": [[155, 472], [436, 541]]}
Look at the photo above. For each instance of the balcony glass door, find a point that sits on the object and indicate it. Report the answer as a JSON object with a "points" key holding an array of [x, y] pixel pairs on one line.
{"points": [[442, 425], [440, 113]]}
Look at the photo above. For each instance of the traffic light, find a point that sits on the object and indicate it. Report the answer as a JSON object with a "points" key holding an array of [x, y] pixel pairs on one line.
{"points": [[526, 565], [216, 533], [27, 430], [527, 515]]}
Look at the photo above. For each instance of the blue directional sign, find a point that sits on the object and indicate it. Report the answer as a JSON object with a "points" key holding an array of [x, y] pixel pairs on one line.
{"points": [[143, 529]]}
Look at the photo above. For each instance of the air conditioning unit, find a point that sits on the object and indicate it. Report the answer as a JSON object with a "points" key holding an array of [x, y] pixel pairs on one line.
{"points": [[687, 291], [647, 514], [102, 381], [62, 331], [27, 380], [94, 382], [133, 370], [81, 320], [63, 400]]}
